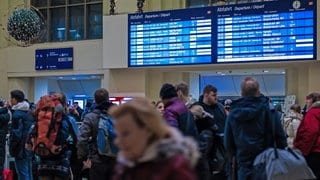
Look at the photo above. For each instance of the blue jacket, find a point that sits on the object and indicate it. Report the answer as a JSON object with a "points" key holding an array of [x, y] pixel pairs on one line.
{"points": [[4, 120], [248, 131]]}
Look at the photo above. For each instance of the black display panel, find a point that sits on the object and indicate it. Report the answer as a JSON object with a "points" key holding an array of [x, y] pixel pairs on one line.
{"points": [[252, 32], [51, 59]]}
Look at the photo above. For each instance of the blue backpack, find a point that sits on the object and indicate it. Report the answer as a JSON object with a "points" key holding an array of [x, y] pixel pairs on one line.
{"points": [[106, 136]]}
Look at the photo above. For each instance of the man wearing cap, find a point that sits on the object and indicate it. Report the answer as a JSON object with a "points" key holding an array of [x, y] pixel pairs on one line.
{"points": [[176, 112]]}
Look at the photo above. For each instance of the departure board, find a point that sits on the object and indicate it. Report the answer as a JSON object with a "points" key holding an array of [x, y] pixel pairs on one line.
{"points": [[251, 32], [170, 37], [266, 31]]}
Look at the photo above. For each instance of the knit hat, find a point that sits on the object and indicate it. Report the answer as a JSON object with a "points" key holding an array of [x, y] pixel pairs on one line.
{"points": [[168, 91]]}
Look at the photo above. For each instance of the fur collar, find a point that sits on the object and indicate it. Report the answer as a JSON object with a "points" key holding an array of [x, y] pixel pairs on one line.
{"points": [[166, 148], [316, 104], [23, 106]]}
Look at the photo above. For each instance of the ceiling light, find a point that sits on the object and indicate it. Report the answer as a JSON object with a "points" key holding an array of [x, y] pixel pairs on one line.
{"points": [[265, 71]]}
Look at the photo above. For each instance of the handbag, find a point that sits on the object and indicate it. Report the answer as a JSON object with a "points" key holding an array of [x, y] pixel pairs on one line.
{"points": [[280, 164]]}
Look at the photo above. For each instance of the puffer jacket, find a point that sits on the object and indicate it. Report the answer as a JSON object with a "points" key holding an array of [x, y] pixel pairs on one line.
{"points": [[171, 158], [22, 121], [308, 135], [248, 131]]}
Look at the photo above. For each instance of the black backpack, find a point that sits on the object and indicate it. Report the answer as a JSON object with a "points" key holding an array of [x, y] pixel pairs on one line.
{"points": [[187, 125]]}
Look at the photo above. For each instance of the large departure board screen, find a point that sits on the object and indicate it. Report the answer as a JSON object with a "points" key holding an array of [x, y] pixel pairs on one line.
{"points": [[251, 32]]}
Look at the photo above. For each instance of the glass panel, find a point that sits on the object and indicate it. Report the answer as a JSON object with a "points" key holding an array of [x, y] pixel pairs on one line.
{"points": [[39, 3], [58, 24], [58, 2], [76, 22], [75, 1], [94, 21], [43, 35]]}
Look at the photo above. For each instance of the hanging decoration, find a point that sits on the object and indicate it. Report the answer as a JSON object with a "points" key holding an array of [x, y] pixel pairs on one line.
{"points": [[112, 7], [140, 6], [24, 25]]}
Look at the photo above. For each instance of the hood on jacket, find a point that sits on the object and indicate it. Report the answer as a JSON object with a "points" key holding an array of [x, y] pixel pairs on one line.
{"points": [[166, 148], [294, 115], [23, 106], [248, 108], [316, 104]]}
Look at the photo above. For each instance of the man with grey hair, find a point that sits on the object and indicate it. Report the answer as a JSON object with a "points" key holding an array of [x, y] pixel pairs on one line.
{"points": [[248, 127]]}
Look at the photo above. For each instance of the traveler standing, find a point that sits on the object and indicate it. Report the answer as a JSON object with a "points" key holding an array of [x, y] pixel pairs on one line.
{"points": [[101, 165], [291, 123], [55, 164], [246, 132], [176, 112], [209, 101], [149, 148], [22, 121], [183, 93], [5, 117], [308, 135]]}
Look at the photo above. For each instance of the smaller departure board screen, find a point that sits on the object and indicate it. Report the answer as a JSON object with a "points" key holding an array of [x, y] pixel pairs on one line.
{"points": [[51, 59]]}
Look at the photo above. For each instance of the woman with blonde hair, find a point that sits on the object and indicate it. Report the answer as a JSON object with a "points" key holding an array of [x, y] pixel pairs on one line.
{"points": [[149, 148]]}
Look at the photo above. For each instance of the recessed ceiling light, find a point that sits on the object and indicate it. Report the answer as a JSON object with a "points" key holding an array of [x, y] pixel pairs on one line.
{"points": [[283, 72], [265, 71], [222, 74]]}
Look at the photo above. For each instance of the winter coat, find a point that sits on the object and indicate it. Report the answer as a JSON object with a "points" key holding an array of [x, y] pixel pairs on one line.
{"points": [[308, 135], [172, 111], [248, 131], [171, 158], [290, 124], [22, 121], [217, 111], [179, 116], [5, 116]]}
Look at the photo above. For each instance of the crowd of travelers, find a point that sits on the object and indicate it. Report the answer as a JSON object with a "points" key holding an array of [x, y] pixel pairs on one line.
{"points": [[176, 137]]}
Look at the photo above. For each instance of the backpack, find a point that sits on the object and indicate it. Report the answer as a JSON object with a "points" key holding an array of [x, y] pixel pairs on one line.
{"points": [[106, 136], [49, 114], [187, 125]]}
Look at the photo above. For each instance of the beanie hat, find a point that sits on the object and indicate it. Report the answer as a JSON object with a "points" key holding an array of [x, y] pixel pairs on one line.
{"points": [[168, 91]]}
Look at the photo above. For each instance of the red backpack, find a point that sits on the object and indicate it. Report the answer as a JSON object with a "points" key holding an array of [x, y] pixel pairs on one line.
{"points": [[49, 113]]}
